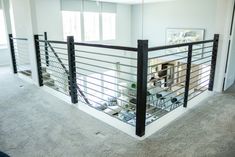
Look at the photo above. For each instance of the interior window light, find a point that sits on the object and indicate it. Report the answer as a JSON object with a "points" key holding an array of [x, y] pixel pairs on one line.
{"points": [[109, 76], [3, 39], [109, 26], [94, 87], [91, 26], [72, 24]]}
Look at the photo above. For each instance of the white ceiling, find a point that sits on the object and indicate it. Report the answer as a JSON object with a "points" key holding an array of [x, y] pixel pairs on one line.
{"points": [[134, 1]]}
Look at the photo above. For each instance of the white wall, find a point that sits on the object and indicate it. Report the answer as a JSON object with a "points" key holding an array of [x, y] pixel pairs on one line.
{"points": [[47, 18], [172, 14], [5, 7], [123, 25], [212, 15], [22, 18], [23, 28], [5, 57], [230, 75], [4, 52], [223, 24]]}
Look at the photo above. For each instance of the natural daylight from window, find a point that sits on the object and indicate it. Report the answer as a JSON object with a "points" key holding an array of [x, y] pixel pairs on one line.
{"points": [[96, 26]]}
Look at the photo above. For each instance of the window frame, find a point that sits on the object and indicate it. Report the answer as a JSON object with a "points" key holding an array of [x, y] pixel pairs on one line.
{"points": [[101, 25], [80, 23]]}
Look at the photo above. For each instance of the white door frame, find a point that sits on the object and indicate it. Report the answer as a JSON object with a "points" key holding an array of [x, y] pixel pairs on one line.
{"points": [[227, 82]]}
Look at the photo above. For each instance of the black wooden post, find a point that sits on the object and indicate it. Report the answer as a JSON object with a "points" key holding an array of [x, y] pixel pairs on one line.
{"points": [[13, 56], [213, 62], [141, 87], [188, 75], [72, 70], [38, 60], [46, 49]]}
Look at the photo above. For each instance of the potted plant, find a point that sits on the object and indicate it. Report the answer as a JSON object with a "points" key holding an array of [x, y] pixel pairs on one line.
{"points": [[133, 85]]}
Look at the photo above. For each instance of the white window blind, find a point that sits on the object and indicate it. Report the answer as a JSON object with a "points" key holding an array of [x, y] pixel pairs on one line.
{"points": [[109, 7], [97, 18], [91, 6], [88, 6], [71, 5]]}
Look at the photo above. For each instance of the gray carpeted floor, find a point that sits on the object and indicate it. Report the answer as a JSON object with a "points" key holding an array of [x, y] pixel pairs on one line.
{"points": [[231, 90], [35, 124]]}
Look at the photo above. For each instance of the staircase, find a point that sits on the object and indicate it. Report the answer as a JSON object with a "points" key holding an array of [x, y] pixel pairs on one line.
{"points": [[47, 79], [51, 82], [26, 72]]}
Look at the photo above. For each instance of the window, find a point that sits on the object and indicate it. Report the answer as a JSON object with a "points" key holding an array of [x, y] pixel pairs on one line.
{"points": [[72, 24], [3, 39], [109, 26], [91, 26]]}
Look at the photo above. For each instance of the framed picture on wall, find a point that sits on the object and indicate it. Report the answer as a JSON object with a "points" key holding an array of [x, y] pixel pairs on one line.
{"points": [[181, 35]]}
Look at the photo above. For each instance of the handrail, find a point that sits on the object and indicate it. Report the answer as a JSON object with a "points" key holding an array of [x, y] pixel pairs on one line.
{"points": [[184, 78], [20, 38], [94, 45], [67, 72], [107, 46], [53, 41], [179, 45]]}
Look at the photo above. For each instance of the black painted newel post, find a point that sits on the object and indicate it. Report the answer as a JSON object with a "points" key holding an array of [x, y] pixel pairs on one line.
{"points": [[141, 87], [13, 56], [213, 62], [188, 75], [38, 60], [46, 49], [72, 69]]}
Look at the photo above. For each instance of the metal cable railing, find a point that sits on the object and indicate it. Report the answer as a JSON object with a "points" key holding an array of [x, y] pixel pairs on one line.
{"points": [[135, 85], [54, 58], [20, 53], [108, 76], [176, 77], [54, 66], [104, 79]]}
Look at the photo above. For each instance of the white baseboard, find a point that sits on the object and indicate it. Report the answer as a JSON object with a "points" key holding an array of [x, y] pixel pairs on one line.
{"points": [[57, 94], [126, 128], [25, 78]]}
